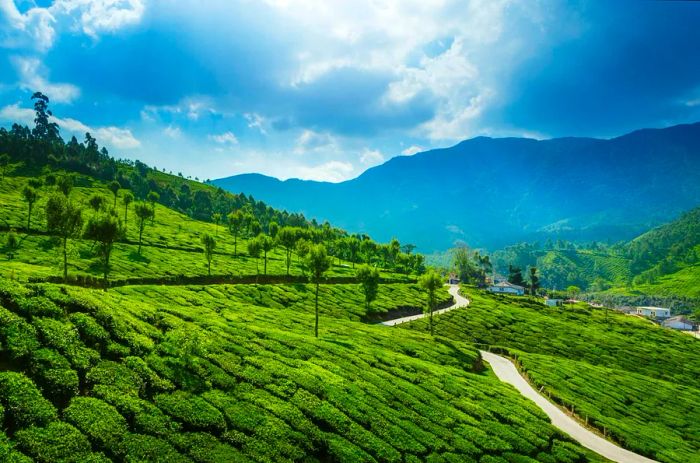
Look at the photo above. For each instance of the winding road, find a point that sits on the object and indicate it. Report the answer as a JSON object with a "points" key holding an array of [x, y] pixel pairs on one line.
{"points": [[506, 371]]}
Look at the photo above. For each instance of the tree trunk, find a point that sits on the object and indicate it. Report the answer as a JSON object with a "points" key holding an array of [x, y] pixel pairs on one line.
{"points": [[316, 327], [106, 269], [65, 260], [209, 266], [265, 270]]}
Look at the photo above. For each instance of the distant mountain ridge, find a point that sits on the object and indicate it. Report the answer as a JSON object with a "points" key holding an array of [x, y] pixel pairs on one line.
{"points": [[492, 192]]}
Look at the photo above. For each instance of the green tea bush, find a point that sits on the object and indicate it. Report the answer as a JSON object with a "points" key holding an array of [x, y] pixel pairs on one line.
{"points": [[23, 402], [98, 420], [54, 374], [18, 337], [192, 411], [55, 442]]}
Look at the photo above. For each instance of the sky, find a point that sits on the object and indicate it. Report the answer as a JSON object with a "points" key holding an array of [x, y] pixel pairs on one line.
{"points": [[323, 89]]}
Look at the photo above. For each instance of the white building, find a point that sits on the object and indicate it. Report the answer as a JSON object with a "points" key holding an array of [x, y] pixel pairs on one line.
{"points": [[553, 302], [507, 288], [679, 322], [654, 312]]}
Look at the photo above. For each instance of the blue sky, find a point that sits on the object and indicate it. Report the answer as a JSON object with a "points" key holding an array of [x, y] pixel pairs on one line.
{"points": [[323, 90]]}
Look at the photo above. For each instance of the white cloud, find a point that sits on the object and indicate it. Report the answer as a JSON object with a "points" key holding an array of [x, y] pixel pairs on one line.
{"points": [[226, 138], [369, 157], [331, 171], [33, 29], [192, 107], [256, 121], [33, 78], [310, 141], [172, 132], [113, 136], [411, 150], [94, 17]]}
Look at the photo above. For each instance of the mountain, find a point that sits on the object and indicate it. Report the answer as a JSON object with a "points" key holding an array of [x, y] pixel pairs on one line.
{"points": [[494, 192]]}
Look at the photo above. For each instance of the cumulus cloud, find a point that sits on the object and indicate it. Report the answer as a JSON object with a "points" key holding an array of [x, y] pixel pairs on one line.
{"points": [[94, 17], [226, 138], [411, 150], [310, 141], [331, 171], [33, 78], [172, 132], [369, 157], [256, 121], [112, 136], [33, 29]]}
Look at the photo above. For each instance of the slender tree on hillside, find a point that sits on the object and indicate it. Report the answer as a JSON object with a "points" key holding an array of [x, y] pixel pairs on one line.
{"points": [[4, 164], [272, 229], [96, 202], [287, 237], [318, 263], [254, 250], [235, 225], [114, 187], [105, 229], [515, 275], [143, 212], [534, 281], [431, 282], [368, 249], [64, 184], [216, 218], [254, 227], [30, 196], [11, 245], [65, 220], [127, 199], [369, 279], [266, 244], [153, 198], [209, 244], [394, 249], [353, 247]]}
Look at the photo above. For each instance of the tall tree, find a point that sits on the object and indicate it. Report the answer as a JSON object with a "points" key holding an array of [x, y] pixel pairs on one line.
{"points": [[114, 187], [64, 184], [96, 202], [368, 249], [4, 164], [64, 219], [431, 282], [30, 196], [272, 229], [369, 279], [318, 263], [266, 244], [394, 249], [515, 275], [236, 221], [127, 199], [11, 245], [353, 247], [105, 229], [254, 250], [143, 212], [43, 129], [216, 218], [153, 198], [534, 281], [287, 237], [209, 244]]}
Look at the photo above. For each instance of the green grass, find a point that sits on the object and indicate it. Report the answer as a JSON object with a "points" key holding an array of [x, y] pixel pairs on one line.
{"points": [[618, 372], [166, 376]]}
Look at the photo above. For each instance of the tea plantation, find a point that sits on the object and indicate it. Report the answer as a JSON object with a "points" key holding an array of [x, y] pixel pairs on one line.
{"points": [[93, 376], [635, 380]]}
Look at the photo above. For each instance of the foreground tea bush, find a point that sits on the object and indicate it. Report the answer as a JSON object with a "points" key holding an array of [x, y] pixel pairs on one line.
{"points": [[178, 377], [638, 381]]}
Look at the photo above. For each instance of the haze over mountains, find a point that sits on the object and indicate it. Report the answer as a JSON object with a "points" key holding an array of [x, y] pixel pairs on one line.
{"points": [[493, 192]]}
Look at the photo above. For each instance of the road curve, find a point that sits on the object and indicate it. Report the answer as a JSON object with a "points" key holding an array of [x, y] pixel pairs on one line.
{"points": [[460, 301], [507, 373]]}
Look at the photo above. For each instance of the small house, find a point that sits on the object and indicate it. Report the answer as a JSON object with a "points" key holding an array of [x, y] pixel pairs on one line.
{"points": [[507, 288], [658, 313], [679, 322], [552, 302], [453, 279]]}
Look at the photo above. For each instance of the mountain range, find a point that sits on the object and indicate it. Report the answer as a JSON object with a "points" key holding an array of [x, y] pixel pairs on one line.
{"points": [[491, 192]]}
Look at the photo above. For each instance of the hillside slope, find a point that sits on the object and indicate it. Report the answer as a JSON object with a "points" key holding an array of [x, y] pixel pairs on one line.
{"points": [[494, 192]]}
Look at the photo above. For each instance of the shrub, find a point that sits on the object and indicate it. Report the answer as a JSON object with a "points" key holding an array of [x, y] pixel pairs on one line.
{"points": [[90, 331], [140, 448], [18, 336], [56, 442], [24, 404], [53, 372], [116, 375], [100, 421], [193, 411]]}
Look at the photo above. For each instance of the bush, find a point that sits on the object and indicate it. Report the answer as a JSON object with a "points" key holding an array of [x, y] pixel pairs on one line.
{"points": [[140, 448], [56, 442], [53, 372], [193, 411], [100, 421], [116, 375], [24, 404], [18, 336]]}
